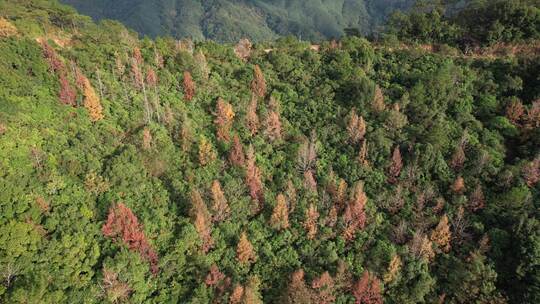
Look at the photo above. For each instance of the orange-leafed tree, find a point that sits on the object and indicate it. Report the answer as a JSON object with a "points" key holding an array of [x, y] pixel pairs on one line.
{"points": [[253, 179], [252, 119], [91, 100], [224, 119], [189, 86], [280, 215], [325, 289], [441, 235], [458, 158], [220, 207], [244, 250], [202, 220], [237, 294], [395, 166], [243, 49], [393, 269], [214, 276], [311, 222], [297, 291], [367, 290], [236, 154], [458, 186], [354, 217], [122, 225], [363, 154], [258, 85]]}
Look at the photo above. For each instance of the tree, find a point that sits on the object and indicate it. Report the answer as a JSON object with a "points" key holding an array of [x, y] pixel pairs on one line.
{"points": [[7, 29], [363, 154], [442, 235], [280, 215], [273, 126], [67, 93], [244, 250], [206, 152], [297, 292], [224, 119], [458, 186], [123, 225], [252, 119], [533, 115], [220, 206], [354, 217], [356, 127], [214, 276], [325, 287], [237, 294], [378, 104], [367, 290], [458, 158], [311, 221], [395, 167], [393, 269], [515, 111], [115, 290], [236, 154], [147, 139], [189, 86], [253, 178], [243, 49], [531, 172], [91, 101], [309, 181], [477, 200], [202, 220], [258, 85]]}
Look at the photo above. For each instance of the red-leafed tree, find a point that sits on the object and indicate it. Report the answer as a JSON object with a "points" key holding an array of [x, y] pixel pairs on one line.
{"points": [[297, 292], [123, 225], [236, 154], [531, 172], [224, 119], [325, 287], [354, 217], [189, 86], [367, 290], [214, 276]]}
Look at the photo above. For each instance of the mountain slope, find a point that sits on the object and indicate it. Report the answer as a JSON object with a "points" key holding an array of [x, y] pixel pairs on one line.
{"points": [[230, 20]]}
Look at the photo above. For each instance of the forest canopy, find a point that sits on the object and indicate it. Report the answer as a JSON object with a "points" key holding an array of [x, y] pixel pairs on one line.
{"points": [[175, 171]]}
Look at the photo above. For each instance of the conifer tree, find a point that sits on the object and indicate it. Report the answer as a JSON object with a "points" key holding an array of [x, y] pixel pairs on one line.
{"points": [[207, 154], [354, 217], [252, 119], [395, 167], [280, 215], [258, 85], [220, 207], [311, 222], [189, 86], [325, 287], [363, 154], [378, 104], [297, 292], [236, 154], [253, 178], [224, 119], [458, 186], [367, 290], [202, 220], [123, 225], [273, 126], [356, 127], [442, 235], [244, 250]]}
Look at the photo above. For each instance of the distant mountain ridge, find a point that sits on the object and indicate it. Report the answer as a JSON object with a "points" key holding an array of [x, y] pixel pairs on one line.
{"points": [[230, 20]]}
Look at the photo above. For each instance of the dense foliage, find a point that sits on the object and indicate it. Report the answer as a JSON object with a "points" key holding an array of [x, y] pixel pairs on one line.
{"points": [[231, 20], [480, 22], [163, 171]]}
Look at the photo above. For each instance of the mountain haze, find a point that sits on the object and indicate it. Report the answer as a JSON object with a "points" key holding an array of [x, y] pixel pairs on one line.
{"points": [[230, 20]]}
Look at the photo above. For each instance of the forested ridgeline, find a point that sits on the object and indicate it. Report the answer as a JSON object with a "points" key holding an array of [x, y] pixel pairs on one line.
{"points": [[164, 171]]}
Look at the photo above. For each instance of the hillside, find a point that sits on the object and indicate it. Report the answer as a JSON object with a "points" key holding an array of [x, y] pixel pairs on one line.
{"points": [[171, 171], [231, 20]]}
